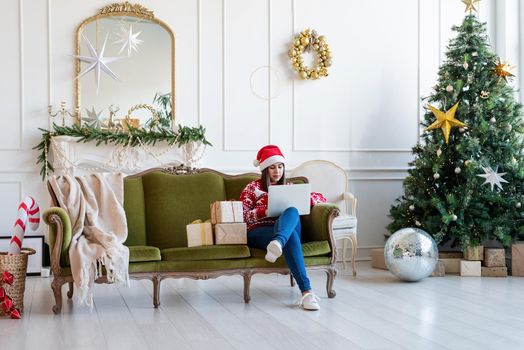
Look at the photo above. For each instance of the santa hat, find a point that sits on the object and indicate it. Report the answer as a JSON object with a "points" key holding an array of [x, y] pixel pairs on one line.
{"points": [[269, 155]]}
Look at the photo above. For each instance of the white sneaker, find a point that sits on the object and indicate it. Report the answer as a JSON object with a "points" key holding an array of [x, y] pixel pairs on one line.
{"points": [[274, 250], [309, 301]]}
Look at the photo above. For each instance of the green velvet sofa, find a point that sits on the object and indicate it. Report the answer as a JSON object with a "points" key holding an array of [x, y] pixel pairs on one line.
{"points": [[159, 203]]}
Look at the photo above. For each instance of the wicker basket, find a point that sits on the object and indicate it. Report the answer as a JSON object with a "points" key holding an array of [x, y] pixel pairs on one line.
{"points": [[17, 266]]}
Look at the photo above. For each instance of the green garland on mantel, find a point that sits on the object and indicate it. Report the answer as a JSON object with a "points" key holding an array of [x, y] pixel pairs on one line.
{"points": [[132, 137]]}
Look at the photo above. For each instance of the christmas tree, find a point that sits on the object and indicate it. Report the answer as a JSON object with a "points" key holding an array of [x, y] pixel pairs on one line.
{"points": [[465, 183]]}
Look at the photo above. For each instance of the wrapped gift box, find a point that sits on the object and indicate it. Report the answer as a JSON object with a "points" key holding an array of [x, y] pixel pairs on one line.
{"points": [[226, 212], [450, 255], [199, 233], [470, 268], [377, 259], [452, 265], [235, 233], [517, 259], [440, 269], [496, 271], [474, 253], [494, 257]]}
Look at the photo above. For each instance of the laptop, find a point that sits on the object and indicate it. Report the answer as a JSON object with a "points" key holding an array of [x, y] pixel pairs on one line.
{"points": [[281, 197]]}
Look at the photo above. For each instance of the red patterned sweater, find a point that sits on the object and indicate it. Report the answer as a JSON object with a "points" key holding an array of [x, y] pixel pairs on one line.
{"points": [[254, 203]]}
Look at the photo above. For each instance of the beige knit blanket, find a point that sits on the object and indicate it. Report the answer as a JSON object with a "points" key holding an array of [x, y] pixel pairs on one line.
{"points": [[99, 228]]}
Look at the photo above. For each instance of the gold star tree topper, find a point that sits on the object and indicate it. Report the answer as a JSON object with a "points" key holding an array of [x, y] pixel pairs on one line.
{"points": [[470, 5], [445, 120], [503, 70]]}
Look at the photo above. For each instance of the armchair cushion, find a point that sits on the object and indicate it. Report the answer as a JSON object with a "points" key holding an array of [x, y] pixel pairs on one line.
{"points": [[344, 221], [236, 184], [169, 266], [257, 260], [314, 226], [172, 202], [144, 253], [206, 252], [319, 248], [135, 211]]}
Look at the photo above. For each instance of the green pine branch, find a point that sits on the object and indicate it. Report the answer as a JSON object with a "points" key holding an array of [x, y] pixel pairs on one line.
{"points": [[132, 137]]}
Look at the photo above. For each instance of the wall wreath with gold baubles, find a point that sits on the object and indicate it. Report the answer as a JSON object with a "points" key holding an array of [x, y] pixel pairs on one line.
{"points": [[308, 41]]}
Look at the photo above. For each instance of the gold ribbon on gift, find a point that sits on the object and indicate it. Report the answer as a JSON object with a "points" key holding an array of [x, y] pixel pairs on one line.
{"points": [[202, 229]]}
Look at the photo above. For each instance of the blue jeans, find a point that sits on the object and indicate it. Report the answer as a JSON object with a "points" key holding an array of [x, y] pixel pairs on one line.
{"points": [[287, 232]]}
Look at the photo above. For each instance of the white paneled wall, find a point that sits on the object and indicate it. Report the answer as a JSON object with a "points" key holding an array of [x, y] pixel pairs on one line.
{"points": [[233, 76], [11, 71]]}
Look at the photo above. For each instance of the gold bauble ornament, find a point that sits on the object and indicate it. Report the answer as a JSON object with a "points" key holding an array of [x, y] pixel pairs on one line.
{"points": [[304, 41], [445, 120], [307, 41]]}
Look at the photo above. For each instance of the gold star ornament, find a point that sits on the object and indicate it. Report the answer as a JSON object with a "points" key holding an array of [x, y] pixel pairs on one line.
{"points": [[470, 5], [503, 70], [445, 120]]}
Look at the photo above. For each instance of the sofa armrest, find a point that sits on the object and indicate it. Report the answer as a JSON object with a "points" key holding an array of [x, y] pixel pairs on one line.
{"points": [[317, 225], [59, 236]]}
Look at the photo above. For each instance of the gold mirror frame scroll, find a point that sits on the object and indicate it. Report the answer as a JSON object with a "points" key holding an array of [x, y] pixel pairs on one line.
{"points": [[132, 10]]}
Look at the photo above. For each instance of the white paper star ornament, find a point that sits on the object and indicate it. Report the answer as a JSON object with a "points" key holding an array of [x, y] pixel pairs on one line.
{"points": [[93, 117], [98, 62], [128, 40], [492, 177]]}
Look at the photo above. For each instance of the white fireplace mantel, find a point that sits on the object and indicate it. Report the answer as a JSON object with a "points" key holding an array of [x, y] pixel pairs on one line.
{"points": [[76, 158]]}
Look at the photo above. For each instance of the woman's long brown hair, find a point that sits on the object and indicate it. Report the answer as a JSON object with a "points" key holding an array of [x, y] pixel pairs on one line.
{"points": [[266, 179]]}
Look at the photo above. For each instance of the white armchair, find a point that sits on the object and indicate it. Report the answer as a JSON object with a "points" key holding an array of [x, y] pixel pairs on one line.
{"points": [[332, 181]]}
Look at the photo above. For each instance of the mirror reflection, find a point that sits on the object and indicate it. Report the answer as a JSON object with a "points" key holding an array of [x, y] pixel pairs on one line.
{"points": [[123, 61]]}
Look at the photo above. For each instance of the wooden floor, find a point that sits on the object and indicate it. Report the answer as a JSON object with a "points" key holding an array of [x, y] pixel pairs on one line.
{"points": [[372, 311]]}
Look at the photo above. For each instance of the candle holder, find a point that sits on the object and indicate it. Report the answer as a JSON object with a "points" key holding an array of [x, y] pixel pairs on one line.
{"points": [[63, 113]]}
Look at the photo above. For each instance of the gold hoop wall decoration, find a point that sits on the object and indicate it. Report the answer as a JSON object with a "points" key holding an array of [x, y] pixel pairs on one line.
{"points": [[307, 41], [143, 106]]}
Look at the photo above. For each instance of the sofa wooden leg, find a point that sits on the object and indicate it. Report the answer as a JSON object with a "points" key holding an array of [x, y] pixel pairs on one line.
{"points": [[71, 290], [291, 280], [156, 290], [56, 285], [331, 273], [247, 283]]}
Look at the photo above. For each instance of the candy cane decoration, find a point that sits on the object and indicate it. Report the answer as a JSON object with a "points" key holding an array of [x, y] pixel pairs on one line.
{"points": [[28, 210]]}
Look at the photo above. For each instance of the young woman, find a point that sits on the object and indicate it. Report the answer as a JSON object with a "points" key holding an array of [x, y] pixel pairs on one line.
{"points": [[277, 235]]}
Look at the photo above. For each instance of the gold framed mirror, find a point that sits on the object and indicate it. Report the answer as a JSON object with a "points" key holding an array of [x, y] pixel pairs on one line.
{"points": [[124, 57]]}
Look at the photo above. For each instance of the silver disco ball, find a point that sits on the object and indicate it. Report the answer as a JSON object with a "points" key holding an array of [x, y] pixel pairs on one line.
{"points": [[411, 254]]}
